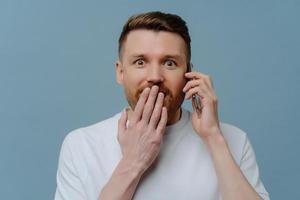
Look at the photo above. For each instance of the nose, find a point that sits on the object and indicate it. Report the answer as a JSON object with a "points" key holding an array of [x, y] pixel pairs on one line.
{"points": [[155, 74]]}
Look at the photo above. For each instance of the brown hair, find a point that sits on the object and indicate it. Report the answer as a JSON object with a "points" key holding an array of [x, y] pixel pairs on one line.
{"points": [[158, 21]]}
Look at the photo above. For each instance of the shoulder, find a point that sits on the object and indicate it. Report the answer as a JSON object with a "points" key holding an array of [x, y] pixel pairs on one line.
{"points": [[232, 132], [98, 132], [236, 139]]}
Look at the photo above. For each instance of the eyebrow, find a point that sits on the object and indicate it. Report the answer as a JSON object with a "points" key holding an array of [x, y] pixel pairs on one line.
{"points": [[175, 56], [137, 55]]}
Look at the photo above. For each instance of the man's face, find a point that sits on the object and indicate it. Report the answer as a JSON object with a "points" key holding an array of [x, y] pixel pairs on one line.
{"points": [[153, 58]]}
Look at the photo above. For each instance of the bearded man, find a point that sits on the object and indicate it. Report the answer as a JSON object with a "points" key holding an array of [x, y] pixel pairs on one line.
{"points": [[155, 149]]}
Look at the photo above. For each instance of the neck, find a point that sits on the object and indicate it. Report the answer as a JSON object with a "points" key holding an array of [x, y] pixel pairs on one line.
{"points": [[173, 117]]}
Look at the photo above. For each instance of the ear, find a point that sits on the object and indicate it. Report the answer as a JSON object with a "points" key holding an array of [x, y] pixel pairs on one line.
{"points": [[119, 72]]}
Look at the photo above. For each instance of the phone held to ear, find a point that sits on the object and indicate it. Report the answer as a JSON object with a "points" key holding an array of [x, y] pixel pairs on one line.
{"points": [[196, 100]]}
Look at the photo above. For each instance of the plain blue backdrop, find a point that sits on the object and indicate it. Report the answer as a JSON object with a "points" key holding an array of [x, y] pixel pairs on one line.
{"points": [[57, 74]]}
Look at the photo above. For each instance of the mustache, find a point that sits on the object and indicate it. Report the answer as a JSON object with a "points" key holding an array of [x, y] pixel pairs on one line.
{"points": [[162, 89]]}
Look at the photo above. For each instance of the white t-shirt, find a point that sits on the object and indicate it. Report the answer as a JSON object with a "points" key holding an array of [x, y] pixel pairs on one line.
{"points": [[184, 168]]}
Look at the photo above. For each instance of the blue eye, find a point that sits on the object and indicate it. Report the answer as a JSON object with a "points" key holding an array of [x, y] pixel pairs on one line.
{"points": [[170, 63], [139, 62]]}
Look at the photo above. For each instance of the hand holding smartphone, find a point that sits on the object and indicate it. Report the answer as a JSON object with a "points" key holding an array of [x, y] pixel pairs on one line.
{"points": [[196, 100]]}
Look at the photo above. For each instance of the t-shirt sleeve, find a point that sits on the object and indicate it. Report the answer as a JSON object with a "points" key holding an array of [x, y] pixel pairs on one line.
{"points": [[69, 185], [250, 169]]}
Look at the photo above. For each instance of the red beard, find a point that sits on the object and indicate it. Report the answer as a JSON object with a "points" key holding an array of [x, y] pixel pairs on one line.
{"points": [[171, 103]]}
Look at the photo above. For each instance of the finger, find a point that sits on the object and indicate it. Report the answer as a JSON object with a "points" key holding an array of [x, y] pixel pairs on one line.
{"points": [[140, 106], [196, 91], [148, 109], [192, 83], [198, 83], [157, 111], [163, 121], [198, 75]]}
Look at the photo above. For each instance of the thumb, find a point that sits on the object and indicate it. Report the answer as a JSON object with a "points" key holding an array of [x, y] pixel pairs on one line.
{"points": [[122, 123]]}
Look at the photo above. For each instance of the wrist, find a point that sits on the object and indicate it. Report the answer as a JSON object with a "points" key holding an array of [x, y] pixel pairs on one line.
{"points": [[123, 182], [215, 139], [126, 166]]}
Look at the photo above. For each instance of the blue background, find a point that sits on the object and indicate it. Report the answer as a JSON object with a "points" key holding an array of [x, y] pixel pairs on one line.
{"points": [[57, 74]]}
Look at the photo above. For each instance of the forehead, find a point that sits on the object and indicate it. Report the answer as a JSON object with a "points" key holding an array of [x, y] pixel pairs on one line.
{"points": [[151, 42]]}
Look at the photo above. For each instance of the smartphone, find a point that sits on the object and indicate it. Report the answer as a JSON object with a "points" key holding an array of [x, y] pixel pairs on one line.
{"points": [[196, 100]]}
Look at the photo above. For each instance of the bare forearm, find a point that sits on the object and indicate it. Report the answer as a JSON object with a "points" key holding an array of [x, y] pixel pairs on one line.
{"points": [[123, 182], [233, 184]]}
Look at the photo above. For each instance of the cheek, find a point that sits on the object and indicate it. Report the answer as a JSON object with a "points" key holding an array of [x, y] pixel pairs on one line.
{"points": [[130, 79], [177, 84], [132, 75], [133, 82]]}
